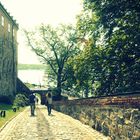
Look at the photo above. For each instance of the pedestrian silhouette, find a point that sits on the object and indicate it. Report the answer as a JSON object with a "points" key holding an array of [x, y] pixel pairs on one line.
{"points": [[32, 100], [49, 103], [37, 100]]}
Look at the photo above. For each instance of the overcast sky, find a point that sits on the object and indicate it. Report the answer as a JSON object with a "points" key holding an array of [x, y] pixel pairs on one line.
{"points": [[30, 13]]}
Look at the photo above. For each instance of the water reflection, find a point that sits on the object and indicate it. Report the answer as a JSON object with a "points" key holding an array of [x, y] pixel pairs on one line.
{"points": [[31, 76]]}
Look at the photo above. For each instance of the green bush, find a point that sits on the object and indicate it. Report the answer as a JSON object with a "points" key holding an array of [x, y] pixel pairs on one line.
{"points": [[20, 100]]}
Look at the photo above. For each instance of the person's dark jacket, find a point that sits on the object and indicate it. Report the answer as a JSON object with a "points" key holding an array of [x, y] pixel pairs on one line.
{"points": [[32, 98]]}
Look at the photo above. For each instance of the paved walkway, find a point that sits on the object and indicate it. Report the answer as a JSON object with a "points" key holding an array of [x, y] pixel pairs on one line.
{"points": [[43, 127]]}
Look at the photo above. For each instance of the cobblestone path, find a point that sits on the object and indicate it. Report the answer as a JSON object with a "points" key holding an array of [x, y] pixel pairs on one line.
{"points": [[43, 127]]}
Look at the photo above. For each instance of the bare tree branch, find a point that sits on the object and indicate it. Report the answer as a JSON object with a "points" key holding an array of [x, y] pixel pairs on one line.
{"points": [[37, 52]]}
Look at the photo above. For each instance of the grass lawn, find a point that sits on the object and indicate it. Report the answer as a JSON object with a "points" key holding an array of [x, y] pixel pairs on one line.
{"points": [[9, 113]]}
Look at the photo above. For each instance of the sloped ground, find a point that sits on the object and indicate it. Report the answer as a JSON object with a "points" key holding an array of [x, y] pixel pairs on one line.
{"points": [[43, 127]]}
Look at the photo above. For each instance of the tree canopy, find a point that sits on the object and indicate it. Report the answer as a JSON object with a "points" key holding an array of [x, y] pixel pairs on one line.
{"points": [[111, 55], [54, 46]]}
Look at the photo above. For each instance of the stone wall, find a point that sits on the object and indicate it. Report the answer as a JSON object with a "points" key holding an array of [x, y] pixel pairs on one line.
{"points": [[8, 56], [118, 122], [7, 76]]}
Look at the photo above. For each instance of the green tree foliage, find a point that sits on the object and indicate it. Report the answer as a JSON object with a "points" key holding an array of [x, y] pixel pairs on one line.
{"points": [[83, 64], [120, 20], [110, 60], [54, 46]]}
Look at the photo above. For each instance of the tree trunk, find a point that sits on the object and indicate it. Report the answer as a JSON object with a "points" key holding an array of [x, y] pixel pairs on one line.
{"points": [[86, 91], [59, 82]]}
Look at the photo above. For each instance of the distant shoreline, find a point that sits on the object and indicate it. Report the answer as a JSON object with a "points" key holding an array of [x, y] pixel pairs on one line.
{"points": [[31, 67]]}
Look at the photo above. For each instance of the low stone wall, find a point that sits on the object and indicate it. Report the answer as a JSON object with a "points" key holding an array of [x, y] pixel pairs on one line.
{"points": [[118, 122]]}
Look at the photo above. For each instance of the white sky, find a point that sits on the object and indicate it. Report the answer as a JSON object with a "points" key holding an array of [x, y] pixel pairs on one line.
{"points": [[30, 13]]}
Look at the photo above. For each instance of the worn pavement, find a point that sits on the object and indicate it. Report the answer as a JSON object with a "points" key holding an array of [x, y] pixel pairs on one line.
{"points": [[58, 126]]}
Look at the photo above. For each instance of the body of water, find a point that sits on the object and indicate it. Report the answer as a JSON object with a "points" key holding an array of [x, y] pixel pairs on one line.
{"points": [[32, 76]]}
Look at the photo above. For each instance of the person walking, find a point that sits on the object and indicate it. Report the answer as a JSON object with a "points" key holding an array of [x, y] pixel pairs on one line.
{"points": [[49, 103], [32, 100], [37, 100]]}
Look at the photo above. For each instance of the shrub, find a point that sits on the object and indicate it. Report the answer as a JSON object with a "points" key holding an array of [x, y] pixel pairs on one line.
{"points": [[20, 100]]}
